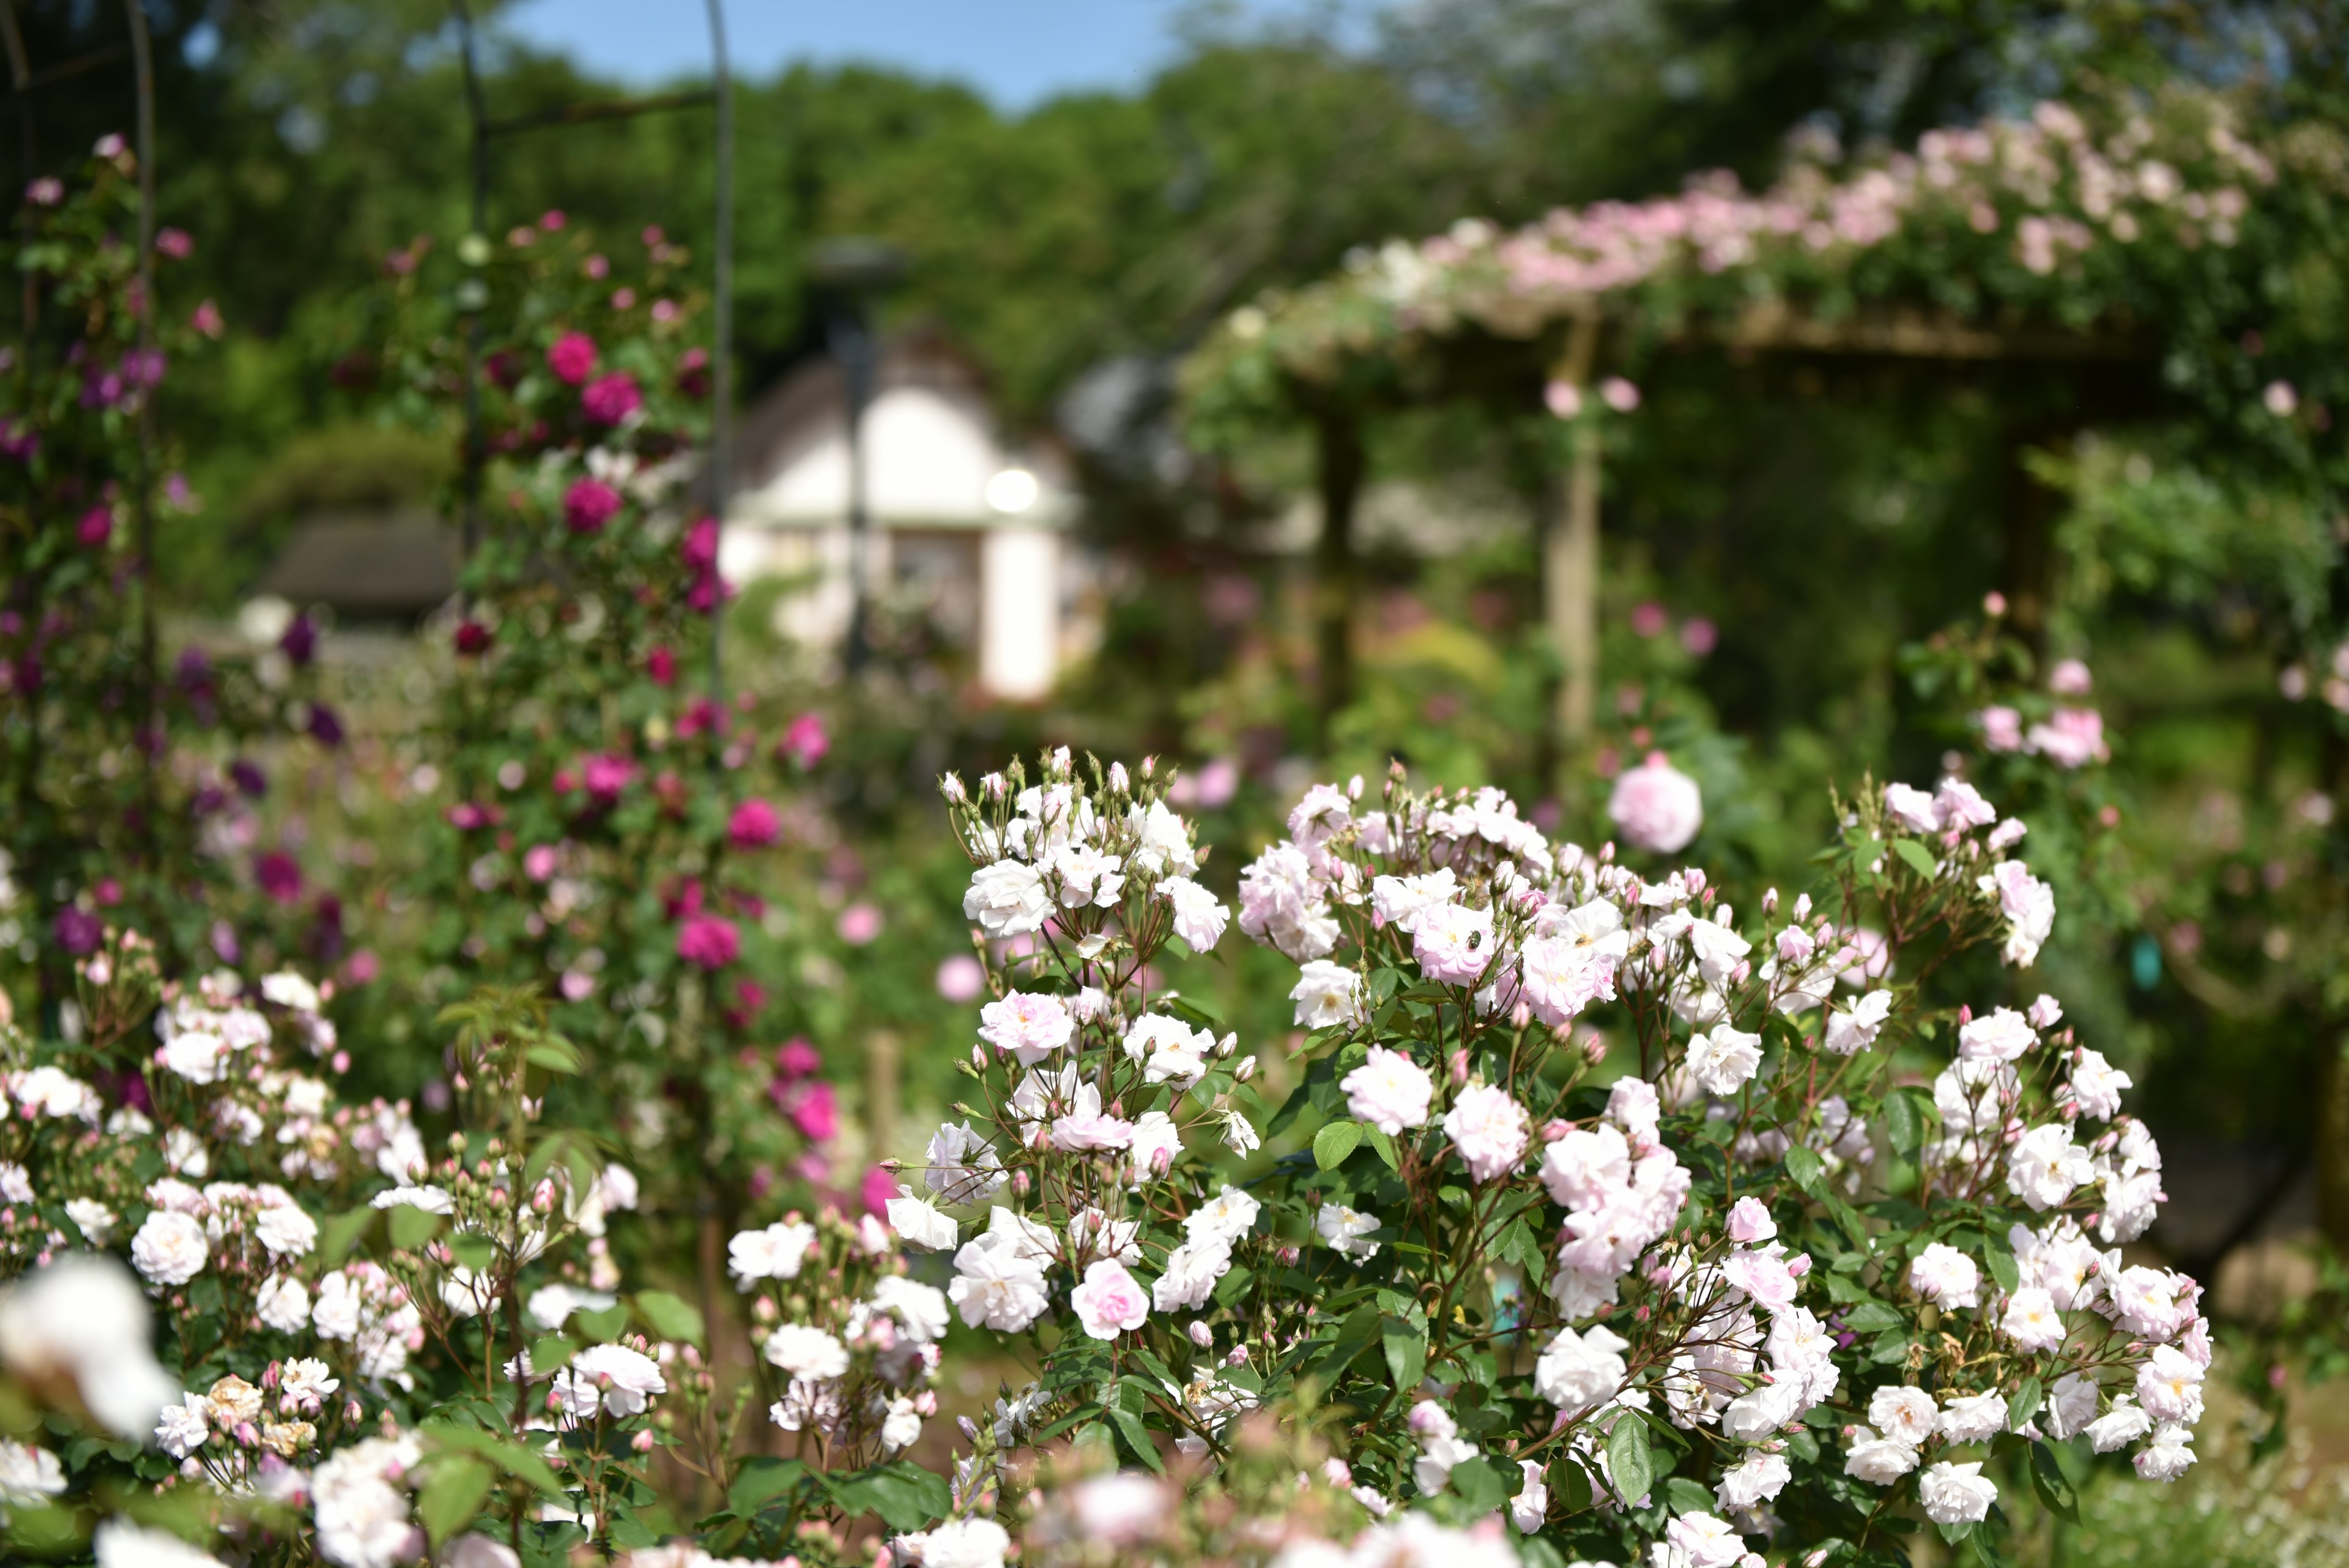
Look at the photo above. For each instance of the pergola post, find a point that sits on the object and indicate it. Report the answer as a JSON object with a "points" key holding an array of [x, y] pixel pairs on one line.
{"points": [[1570, 553], [1341, 463]]}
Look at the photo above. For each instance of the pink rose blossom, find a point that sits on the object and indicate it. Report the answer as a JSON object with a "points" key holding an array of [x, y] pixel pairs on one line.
{"points": [[709, 942], [2071, 738], [588, 504], [1490, 1129], [572, 357], [608, 399], [1389, 1091], [753, 825], [804, 741], [961, 978], [2002, 728], [605, 775], [1110, 1299], [1656, 806], [2070, 678]]}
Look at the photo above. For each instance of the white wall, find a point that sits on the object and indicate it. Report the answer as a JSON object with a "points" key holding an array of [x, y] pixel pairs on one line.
{"points": [[1020, 612], [927, 457]]}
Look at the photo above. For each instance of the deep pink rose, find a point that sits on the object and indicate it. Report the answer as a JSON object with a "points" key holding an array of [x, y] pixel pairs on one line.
{"points": [[278, 876], [806, 742], [753, 825], [709, 942], [605, 775], [608, 399], [815, 1112], [588, 504], [572, 357]]}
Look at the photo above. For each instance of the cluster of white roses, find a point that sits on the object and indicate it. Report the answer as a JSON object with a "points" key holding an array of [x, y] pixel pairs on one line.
{"points": [[857, 1363], [1525, 932], [316, 1356]]}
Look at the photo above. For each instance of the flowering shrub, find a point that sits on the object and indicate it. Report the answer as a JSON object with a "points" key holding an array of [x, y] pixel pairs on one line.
{"points": [[1607, 1212], [1618, 1213], [130, 788], [368, 1347], [606, 826]]}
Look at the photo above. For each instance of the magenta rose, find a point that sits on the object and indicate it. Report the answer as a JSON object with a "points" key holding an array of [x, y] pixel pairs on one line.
{"points": [[754, 824], [572, 357], [708, 943], [589, 504], [608, 399]]}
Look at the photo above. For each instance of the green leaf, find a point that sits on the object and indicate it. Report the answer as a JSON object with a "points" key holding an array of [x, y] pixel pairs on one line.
{"points": [[604, 1326], [2055, 1488], [1871, 1317], [1901, 1124], [1682, 1495], [1137, 1440], [411, 1227], [340, 1233], [554, 1054], [1579, 1490], [1953, 1533], [1406, 1347], [453, 1494], [1628, 1460], [550, 1353], [1919, 858], [511, 1457], [669, 1317], [1478, 1485], [2024, 1403], [2001, 1258], [904, 1495], [1806, 1168], [1197, 1012], [1333, 1143], [762, 1480], [1383, 1146], [1233, 1286]]}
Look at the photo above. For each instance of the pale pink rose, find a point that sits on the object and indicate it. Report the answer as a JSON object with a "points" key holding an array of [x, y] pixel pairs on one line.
{"points": [[2071, 738], [1389, 1091], [1764, 1278], [2002, 728], [1110, 1301], [2070, 678], [1028, 1026], [1453, 943], [1656, 808], [1490, 1129], [1945, 1276], [1750, 1222]]}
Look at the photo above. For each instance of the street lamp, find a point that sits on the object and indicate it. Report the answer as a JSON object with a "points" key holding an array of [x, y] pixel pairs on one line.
{"points": [[855, 271]]}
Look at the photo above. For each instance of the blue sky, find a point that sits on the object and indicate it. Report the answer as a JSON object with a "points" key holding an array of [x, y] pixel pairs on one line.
{"points": [[1015, 51]]}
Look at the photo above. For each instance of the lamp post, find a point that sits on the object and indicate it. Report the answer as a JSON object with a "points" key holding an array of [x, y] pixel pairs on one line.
{"points": [[855, 271]]}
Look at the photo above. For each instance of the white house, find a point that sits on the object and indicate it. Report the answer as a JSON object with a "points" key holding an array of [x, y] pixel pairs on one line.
{"points": [[973, 523]]}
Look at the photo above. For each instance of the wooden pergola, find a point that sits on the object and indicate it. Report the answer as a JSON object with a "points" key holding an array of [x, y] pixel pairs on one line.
{"points": [[2018, 250], [2111, 374]]}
